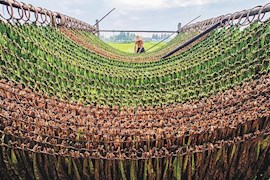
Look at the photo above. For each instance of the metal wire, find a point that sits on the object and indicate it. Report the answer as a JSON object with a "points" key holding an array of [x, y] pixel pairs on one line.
{"points": [[241, 18], [27, 13]]}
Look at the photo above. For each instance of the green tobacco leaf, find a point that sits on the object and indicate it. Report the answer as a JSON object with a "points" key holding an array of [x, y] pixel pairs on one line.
{"points": [[133, 170], [69, 165], [233, 151], [158, 169], [122, 170], [12, 164], [265, 143], [219, 153], [175, 167], [193, 163], [13, 157], [76, 171], [145, 170], [179, 167], [91, 167], [258, 150], [37, 173], [2, 28], [167, 162], [150, 170], [185, 163]]}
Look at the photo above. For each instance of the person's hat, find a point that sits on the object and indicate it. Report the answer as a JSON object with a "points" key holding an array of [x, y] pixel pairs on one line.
{"points": [[138, 38]]}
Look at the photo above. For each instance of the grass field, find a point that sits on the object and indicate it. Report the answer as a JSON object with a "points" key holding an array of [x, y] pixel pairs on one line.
{"points": [[129, 47]]}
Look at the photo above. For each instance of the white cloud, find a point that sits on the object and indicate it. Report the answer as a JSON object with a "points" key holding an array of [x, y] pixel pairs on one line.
{"points": [[144, 14], [77, 11], [137, 5], [134, 18]]}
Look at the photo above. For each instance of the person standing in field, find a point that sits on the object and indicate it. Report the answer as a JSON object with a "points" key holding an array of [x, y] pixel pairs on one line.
{"points": [[138, 48]]}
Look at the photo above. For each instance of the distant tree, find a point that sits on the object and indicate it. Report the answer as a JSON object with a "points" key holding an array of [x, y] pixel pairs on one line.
{"points": [[155, 37], [128, 36], [162, 36], [122, 37], [132, 36]]}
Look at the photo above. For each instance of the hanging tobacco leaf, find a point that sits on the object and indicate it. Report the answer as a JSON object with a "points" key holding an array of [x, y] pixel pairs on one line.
{"points": [[61, 174], [37, 172]]}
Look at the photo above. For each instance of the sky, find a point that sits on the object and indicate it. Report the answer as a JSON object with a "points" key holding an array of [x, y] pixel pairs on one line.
{"points": [[144, 14]]}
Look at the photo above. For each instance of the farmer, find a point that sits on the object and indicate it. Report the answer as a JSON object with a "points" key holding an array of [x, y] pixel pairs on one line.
{"points": [[138, 45]]}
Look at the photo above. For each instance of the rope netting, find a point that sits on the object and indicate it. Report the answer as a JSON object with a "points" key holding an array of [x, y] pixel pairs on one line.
{"points": [[69, 111], [23, 13], [241, 18], [19, 12]]}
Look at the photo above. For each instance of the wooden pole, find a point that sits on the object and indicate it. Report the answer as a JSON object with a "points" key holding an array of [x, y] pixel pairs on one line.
{"points": [[97, 26], [179, 27]]}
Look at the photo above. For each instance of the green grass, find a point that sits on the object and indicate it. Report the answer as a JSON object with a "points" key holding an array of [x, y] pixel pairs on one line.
{"points": [[129, 47]]}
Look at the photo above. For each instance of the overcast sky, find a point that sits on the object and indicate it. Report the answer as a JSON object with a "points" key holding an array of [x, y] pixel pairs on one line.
{"points": [[145, 14]]}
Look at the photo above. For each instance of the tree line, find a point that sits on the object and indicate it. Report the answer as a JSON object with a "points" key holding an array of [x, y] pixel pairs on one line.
{"points": [[129, 37], [159, 37]]}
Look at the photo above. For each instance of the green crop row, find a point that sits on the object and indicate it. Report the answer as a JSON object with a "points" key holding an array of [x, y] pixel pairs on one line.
{"points": [[145, 57], [228, 57]]}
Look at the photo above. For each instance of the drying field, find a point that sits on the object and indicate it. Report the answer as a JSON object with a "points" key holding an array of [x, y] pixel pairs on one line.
{"points": [[129, 47]]}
